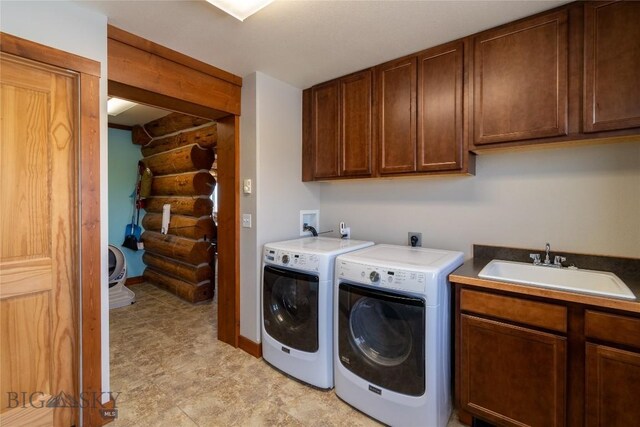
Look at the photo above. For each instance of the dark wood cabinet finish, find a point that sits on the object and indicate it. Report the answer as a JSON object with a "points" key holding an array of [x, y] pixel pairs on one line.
{"points": [[325, 129], [528, 360], [356, 106], [512, 375], [520, 80], [337, 128], [612, 387], [396, 95], [440, 108], [611, 66]]}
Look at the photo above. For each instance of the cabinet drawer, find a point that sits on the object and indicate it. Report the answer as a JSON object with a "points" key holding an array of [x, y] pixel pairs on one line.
{"points": [[612, 328], [538, 314]]}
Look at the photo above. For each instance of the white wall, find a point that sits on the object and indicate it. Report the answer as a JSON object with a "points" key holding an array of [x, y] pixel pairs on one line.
{"points": [[271, 153], [580, 199], [67, 26]]}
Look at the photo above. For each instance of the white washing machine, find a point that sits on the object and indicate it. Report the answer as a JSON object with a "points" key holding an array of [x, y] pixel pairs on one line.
{"points": [[297, 304], [392, 333]]}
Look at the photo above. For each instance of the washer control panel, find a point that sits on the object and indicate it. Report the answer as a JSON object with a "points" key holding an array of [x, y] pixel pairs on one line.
{"points": [[407, 280], [300, 261]]}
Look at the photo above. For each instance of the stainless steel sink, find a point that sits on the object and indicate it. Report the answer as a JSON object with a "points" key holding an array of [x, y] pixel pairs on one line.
{"points": [[576, 280]]}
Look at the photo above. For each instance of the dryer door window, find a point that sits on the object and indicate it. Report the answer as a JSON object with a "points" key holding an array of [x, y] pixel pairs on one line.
{"points": [[290, 307], [381, 338]]}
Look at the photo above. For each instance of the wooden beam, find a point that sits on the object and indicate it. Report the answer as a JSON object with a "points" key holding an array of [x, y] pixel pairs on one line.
{"points": [[184, 159], [172, 123], [184, 184], [206, 137], [187, 272], [157, 74], [228, 230], [182, 249], [183, 226], [149, 46], [162, 100], [186, 291], [193, 206]]}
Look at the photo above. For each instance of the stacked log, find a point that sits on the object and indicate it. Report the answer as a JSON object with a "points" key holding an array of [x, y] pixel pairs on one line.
{"points": [[180, 151]]}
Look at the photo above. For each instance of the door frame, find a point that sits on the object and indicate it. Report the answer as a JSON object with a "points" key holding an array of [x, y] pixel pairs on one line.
{"points": [[143, 71], [89, 210]]}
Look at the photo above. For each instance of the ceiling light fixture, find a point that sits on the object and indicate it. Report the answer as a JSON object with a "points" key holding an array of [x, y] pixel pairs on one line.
{"points": [[117, 106], [240, 9]]}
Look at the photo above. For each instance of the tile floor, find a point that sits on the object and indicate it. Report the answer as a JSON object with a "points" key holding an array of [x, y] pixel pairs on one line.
{"points": [[171, 370]]}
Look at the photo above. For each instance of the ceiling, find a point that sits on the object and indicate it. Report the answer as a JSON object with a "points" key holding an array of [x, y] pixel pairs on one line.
{"points": [[304, 42], [140, 114]]}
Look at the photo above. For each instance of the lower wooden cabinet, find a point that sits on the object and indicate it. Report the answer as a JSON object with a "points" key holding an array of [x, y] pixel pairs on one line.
{"points": [[612, 387], [532, 361], [512, 375]]}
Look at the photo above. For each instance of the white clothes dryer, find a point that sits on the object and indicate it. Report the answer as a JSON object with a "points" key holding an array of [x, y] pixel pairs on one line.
{"points": [[392, 333], [297, 304]]}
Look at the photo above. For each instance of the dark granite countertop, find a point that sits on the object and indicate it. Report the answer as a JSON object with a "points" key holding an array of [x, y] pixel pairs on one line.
{"points": [[627, 269]]}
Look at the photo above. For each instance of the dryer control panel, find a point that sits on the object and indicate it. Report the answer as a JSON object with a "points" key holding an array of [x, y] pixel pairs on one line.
{"points": [[406, 280], [295, 260]]}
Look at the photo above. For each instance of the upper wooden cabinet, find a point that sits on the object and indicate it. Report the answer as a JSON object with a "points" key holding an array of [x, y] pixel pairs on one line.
{"points": [[441, 138], [337, 128], [356, 117], [325, 128], [611, 66], [420, 111], [396, 90], [567, 74], [520, 80]]}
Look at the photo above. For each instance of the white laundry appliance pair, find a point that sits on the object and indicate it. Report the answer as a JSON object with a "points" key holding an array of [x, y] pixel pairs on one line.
{"points": [[375, 317]]}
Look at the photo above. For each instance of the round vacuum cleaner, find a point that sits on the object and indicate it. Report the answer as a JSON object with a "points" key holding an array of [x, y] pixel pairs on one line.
{"points": [[119, 295]]}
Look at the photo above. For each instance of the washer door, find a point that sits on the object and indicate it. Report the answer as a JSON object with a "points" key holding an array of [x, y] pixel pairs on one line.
{"points": [[290, 308], [381, 338]]}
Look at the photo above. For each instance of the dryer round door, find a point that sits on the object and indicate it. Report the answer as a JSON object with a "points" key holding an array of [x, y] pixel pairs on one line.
{"points": [[381, 337], [290, 308]]}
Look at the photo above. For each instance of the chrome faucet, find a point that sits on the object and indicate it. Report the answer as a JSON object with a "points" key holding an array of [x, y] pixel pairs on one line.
{"points": [[547, 248], [557, 260]]}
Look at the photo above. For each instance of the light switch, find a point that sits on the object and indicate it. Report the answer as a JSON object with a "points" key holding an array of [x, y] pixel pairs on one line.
{"points": [[246, 220], [246, 188]]}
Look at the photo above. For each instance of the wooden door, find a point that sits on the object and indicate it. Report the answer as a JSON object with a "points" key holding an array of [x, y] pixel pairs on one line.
{"points": [[326, 129], [356, 116], [440, 126], [396, 96], [520, 80], [38, 252], [612, 64], [612, 387], [512, 375]]}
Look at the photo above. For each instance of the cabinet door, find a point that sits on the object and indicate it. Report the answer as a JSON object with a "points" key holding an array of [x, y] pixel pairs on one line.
{"points": [[612, 66], [612, 387], [511, 375], [397, 116], [520, 80], [440, 127], [356, 115], [325, 124]]}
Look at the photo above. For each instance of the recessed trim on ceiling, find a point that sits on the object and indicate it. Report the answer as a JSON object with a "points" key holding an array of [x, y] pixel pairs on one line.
{"points": [[240, 9], [117, 106]]}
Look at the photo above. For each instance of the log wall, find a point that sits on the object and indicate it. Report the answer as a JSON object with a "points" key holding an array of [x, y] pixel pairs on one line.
{"points": [[180, 151]]}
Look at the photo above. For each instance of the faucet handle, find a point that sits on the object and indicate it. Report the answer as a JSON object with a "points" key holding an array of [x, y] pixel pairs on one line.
{"points": [[558, 260], [535, 258]]}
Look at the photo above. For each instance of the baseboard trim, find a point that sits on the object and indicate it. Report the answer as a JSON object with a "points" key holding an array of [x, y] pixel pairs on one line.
{"points": [[253, 348], [134, 280]]}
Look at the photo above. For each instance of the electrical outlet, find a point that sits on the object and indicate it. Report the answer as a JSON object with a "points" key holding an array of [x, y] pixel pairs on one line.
{"points": [[246, 220], [417, 237]]}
